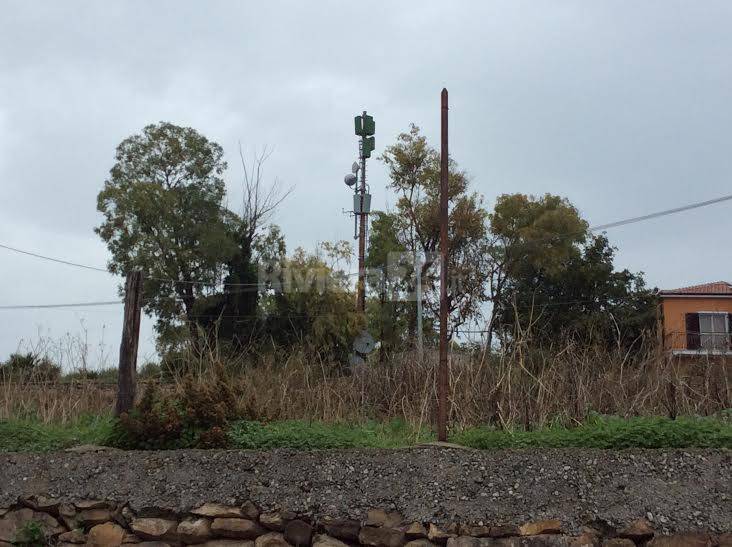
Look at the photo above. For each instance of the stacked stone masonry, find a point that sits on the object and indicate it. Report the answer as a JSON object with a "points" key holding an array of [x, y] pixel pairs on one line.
{"points": [[107, 524]]}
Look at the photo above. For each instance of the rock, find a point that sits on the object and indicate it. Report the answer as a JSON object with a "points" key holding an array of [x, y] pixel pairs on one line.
{"points": [[194, 530], [153, 544], [14, 521], [130, 539], [463, 541], [106, 535], [375, 517], [127, 513], [91, 504], [506, 542], [75, 536], [618, 542], [271, 539], [503, 531], [416, 530], [276, 520], [436, 535], [538, 527], [41, 503], [379, 517], [639, 530], [227, 543], [725, 540], [475, 531], [250, 510], [234, 528], [321, 540], [681, 540], [380, 536], [67, 515], [345, 529], [90, 517], [298, 532], [585, 539], [541, 540], [216, 510], [601, 527], [420, 543], [154, 528]]}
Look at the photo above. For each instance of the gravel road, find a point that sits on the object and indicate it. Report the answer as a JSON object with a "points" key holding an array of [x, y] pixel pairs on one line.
{"points": [[679, 490]]}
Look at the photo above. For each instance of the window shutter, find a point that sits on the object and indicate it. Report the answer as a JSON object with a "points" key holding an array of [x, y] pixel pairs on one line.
{"points": [[729, 331], [693, 340]]}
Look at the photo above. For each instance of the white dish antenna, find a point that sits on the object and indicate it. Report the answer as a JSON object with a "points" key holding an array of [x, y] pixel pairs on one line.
{"points": [[364, 343]]}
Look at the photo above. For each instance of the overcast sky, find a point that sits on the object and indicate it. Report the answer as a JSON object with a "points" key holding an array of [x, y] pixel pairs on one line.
{"points": [[623, 107]]}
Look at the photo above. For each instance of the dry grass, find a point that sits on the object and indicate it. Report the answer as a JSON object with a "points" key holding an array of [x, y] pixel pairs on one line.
{"points": [[525, 388]]}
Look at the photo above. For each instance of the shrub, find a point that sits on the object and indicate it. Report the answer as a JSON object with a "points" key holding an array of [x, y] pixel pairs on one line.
{"points": [[196, 416], [29, 367], [108, 375], [30, 535], [150, 371]]}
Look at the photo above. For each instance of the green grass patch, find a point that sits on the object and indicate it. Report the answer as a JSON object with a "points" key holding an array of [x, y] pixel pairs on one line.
{"points": [[609, 432], [306, 435], [596, 432], [33, 436]]}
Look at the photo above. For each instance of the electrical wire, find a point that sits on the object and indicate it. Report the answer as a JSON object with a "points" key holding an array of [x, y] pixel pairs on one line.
{"points": [[599, 227], [59, 260], [74, 305], [660, 213]]}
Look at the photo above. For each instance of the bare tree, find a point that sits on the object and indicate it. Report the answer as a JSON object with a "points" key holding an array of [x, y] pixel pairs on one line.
{"points": [[260, 200]]}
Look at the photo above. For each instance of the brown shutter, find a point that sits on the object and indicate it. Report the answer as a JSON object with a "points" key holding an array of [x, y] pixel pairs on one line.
{"points": [[729, 331], [693, 340]]}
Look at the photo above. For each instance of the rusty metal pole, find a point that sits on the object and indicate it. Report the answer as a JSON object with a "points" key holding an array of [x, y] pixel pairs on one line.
{"points": [[442, 380]]}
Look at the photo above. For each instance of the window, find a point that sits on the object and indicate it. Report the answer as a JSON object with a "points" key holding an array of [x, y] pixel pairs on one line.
{"points": [[708, 331], [713, 330]]}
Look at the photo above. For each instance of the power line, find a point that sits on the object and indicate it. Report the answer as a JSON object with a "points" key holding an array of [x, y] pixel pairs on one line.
{"points": [[660, 213], [59, 260], [615, 224], [74, 305]]}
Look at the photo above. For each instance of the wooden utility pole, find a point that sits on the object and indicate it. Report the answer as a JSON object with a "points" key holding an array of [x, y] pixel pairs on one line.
{"points": [[126, 377], [442, 367]]}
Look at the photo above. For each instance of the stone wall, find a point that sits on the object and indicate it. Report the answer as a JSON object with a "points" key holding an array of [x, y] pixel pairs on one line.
{"points": [[109, 524]]}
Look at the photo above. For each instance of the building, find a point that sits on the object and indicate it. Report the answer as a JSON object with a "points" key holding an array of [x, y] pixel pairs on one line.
{"points": [[698, 319]]}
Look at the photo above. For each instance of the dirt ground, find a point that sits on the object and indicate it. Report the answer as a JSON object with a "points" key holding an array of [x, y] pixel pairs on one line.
{"points": [[679, 490]]}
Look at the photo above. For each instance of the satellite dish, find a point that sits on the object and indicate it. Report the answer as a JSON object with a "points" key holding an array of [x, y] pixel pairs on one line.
{"points": [[350, 179], [364, 342], [355, 167]]}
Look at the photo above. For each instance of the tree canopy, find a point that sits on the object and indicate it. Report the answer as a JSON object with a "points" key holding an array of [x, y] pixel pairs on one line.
{"points": [[163, 214]]}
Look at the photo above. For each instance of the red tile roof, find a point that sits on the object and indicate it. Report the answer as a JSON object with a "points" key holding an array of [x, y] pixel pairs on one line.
{"points": [[714, 288]]}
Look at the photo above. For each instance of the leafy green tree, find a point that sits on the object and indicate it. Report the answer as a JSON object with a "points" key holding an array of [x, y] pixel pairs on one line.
{"points": [[414, 172], [163, 213], [388, 313], [312, 304], [526, 234], [551, 273]]}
